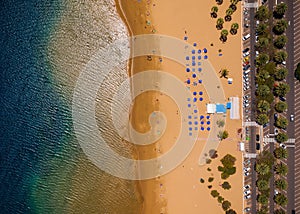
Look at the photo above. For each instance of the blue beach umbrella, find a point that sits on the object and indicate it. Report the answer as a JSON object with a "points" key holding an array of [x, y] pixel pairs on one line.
{"points": [[187, 70], [199, 57], [195, 99], [205, 50], [208, 128], [187, 58], [193, 51], [189, 105], [193, 57], [202, 128], [196, 123], [202, 122], [185, 38], [201, 117], [205, 57], [199, 51], [199, 81], [194, 93], [208, 122], [195, 111], [193, 64], [207, 117], [188, 81], [201, 99], [200, 93], [194, 75], [195, 44], [190, 117]]}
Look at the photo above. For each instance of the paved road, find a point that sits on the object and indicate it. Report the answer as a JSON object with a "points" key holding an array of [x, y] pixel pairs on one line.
{"points": [[291, 106]]}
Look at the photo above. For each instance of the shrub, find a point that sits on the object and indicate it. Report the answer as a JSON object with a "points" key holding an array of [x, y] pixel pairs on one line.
{"points": [[220, 199], [210, 179], [226, 205], [214, 193], [226, 185]]}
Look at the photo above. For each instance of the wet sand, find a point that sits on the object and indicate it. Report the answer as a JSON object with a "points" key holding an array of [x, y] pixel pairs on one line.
{"points": [[180, 190]]}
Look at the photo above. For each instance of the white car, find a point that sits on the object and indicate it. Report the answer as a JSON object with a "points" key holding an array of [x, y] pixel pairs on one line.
{"points": [[247, 209], [246, 54], [246, 37], [247, 196], [284, 62], [282, 145], [247, 192], [246, 174], [246, 169]]}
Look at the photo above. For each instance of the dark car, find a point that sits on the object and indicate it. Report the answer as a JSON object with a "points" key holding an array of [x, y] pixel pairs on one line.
{"points": [[246, 50], [282, 99], [257, 146], [275, 116], [246, 67], [257, 137]]}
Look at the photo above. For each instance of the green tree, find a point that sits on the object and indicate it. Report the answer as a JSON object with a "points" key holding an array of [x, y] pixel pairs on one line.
{"points": [[262, 168], [220, 22], [281, 89], [262, 59], [281, 169], [262, 119], [210, 179], [226, 185], [224, 34], [280, 10], [226, 205], [220, 123], [228, 161], [262, 29], [229, 13], [234, 28], [234, 1], [262, 184], [262, 76], [223, 135], [281, 122], [281, 137], [220, 199], [279, 211], [280, 41], [262, 13], [280, 199], [280, 56], [280, 73], [263, 90], [281, 184], [280, 27], [213, 12], [280, 106], [262, 43], [263, 199], [214, 193], [263, 106], [297, 72]]}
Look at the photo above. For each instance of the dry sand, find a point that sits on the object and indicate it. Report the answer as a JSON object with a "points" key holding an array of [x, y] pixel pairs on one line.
{"points": [[180, 191]]}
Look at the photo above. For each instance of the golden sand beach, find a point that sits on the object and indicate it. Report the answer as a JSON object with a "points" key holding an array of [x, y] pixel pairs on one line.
{"points": [[180, 190]]}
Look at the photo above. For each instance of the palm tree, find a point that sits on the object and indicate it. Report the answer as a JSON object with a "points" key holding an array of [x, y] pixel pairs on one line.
{"points": [[280, 10], [262, 168], [214, 11], [281, 106], [219, 2], [262, 184], [280, 153], [220, 22], [281, 122], [280, 199], [231, 211], [279, 211], [280, 41], [281, 137], [281, 169], [226, 205], [262, 59], [281, 89], [263, 199], [263, 106], [229, 13], [234, 28], [262, 119], [280, 73], [234, 1], [263, 90], [262, 43], [280, 56], [262, 76], [224, 73], [224, 34], [280, 27], [262, 29], [281, 184], [262, 13]]}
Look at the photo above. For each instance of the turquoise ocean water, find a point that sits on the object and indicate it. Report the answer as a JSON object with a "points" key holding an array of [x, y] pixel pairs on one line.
{"points": [[38, 157]]}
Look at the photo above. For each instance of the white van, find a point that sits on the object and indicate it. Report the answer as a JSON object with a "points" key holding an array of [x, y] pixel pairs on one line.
{"points": [[246, 72], [246, 37]]}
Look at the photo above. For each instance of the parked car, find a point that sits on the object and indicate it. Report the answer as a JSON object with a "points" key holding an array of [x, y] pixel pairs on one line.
{"points": [[284, 62], [276, 131], [247, 192], [282, 145], [282, 99], [275, 116], [257, 146], [246, 50], [292, 118], [246, 169], [276, 192], [247, 196], [247, 187], [247, 173], [246, 67], [246, 37], [247, 209], [257, 137], [246, 54]]}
